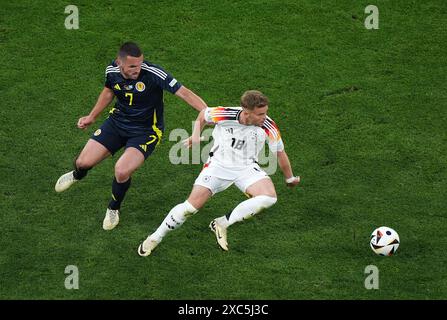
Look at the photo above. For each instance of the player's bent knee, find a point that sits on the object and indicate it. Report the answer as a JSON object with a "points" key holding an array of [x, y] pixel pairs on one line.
{"points": [[267, 201], [196, 203], [82, 163], [121, 174], [199, 196]]}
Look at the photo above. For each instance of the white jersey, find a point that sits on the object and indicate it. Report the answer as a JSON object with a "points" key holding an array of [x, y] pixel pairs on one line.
{"points": [[236, 145]]}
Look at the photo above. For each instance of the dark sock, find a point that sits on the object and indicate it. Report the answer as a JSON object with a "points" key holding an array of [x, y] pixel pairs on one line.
{"points": [[118, 192], [79, 173]]}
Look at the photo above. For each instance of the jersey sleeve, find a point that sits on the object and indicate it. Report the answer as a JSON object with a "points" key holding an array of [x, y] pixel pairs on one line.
{"points": [[108, 83], [162, 78], [217, 114], [273, 135], [110, 70]]}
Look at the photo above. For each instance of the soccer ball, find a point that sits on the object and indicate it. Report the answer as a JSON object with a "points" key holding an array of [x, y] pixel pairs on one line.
{"points": [[384, 241]]}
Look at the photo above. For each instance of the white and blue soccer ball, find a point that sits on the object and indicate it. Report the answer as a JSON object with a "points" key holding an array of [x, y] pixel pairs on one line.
{"points": [[384, 241]]}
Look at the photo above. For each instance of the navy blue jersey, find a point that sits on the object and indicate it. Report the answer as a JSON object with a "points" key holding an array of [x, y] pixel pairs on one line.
{"points": [[139, 103]]}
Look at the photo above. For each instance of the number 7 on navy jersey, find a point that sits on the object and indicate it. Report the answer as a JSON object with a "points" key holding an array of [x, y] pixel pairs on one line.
{"points": [[129, 94]]}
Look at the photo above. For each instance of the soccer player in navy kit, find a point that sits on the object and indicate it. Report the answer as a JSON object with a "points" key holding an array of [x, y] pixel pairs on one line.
{"points": [[135, 122]]}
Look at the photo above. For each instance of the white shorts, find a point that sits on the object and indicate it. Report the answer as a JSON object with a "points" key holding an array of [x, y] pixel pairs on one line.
{"points": [[217, 178]]}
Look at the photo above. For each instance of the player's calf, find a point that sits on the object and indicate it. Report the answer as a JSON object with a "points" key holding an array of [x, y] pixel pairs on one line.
{"points": [[175, 218], [248, 209]]}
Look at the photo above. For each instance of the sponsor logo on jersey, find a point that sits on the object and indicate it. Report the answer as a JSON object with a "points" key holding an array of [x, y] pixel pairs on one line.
{"points": [[140, 86], [117, 87]]}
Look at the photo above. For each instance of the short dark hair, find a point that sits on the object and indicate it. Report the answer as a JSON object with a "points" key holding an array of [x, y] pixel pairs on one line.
{"points": [[254, 99], [129, 49]]}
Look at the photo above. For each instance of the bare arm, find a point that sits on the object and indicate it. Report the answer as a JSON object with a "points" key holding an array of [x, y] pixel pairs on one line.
{"points": [[191, 98], [104, 99], [199, 124], [284, 165]]}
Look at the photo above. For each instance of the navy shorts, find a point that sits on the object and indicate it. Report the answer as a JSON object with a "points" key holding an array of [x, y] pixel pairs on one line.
{"points": [[114, 139]]}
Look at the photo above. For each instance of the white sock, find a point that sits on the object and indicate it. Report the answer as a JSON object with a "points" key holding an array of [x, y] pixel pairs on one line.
{"points": [[173, 220], [247, 209]]}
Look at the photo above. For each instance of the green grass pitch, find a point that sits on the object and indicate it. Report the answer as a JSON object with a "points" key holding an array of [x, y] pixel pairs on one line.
{"points": [[362, 113]]}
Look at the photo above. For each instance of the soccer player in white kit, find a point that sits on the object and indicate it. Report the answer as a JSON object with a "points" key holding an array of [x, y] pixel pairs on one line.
{"points": [[239, 135]]}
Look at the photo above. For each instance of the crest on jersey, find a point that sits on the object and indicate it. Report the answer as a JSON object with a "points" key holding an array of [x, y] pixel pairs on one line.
{"points": [[97, 132], [140, 86]]}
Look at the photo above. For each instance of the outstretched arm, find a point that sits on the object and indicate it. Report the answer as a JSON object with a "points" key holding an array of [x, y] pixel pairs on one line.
{"points": [[284, 164], [199, 124], [104, 99], [191, 98]]}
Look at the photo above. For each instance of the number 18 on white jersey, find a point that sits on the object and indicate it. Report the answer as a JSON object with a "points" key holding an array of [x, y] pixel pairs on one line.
{"points": [[236, 145]]}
